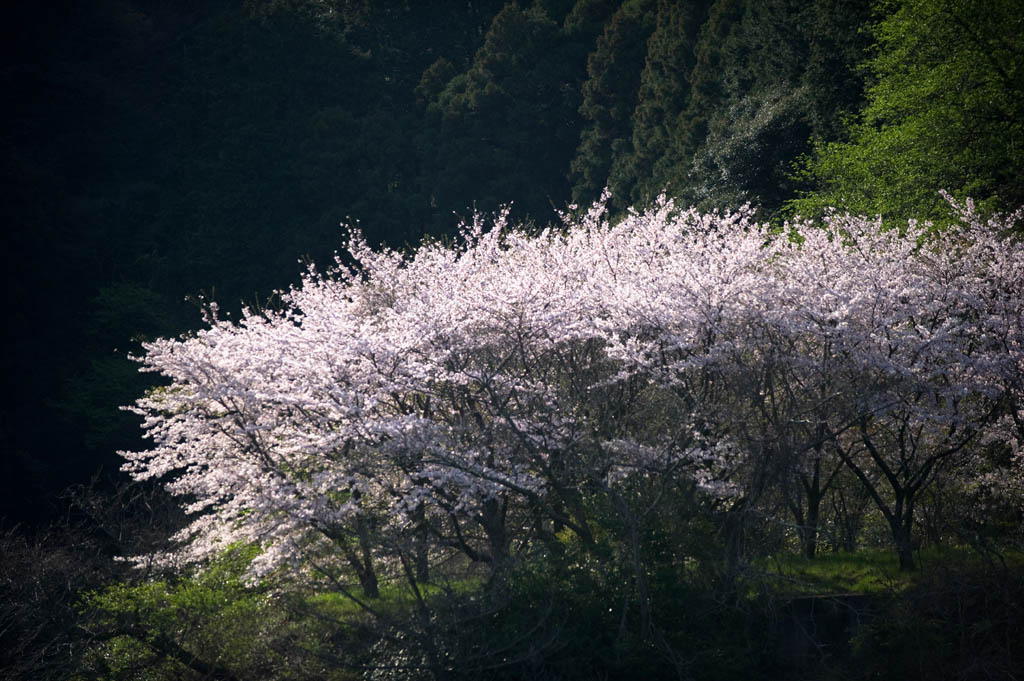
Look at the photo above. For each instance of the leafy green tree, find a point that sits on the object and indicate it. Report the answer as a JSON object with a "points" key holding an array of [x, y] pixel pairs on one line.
{"points": [[767, 45], [207, 626], [836, 45], [587, 18], [945, 111]]}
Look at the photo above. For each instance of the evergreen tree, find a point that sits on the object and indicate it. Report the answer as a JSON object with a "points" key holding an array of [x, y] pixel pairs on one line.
{"points": [[659, 155], [747, 155], [609, 98], [708, 88], [837, 44], [588, 18], [506, 128]]}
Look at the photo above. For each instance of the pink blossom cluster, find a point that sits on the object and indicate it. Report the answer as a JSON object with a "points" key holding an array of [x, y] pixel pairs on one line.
{"points": [[482, 392]]}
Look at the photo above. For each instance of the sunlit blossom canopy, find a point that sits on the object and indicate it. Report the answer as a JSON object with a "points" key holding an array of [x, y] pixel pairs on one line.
{"points": [[496, 379]]}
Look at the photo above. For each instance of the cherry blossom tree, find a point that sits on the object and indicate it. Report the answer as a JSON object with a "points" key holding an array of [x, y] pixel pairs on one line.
{"points": [[482, 399], [916, 335]]}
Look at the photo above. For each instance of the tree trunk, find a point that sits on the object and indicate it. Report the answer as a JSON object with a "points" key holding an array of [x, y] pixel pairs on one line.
{"points": [[734, 531], [904, 548], [810, 529], [492, 520], [422, 560], [421, 545], [902, 524], [364, 573], [361, 561]]}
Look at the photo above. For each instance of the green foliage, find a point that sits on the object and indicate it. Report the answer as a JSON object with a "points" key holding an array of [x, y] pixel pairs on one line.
{"points": [[836, 43], [588, 17], [945, 111], [711, 57], [767, 86], [714, 101], [569, 614], [579, 614], [155, 628], [746, 156]]}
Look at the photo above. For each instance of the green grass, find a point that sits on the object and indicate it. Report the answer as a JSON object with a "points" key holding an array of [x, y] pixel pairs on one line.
{"points": [[868, 571], [395, 598]]}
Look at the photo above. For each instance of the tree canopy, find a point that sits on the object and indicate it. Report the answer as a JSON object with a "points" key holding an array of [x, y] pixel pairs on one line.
{"points": [[944, 110]]}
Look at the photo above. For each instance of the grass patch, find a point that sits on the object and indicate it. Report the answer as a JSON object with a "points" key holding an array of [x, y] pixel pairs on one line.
{"points": [[396, 597], [868, 571]]}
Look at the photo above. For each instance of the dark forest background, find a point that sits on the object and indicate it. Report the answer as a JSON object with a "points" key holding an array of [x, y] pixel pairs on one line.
{"points": [[154, 152]]}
